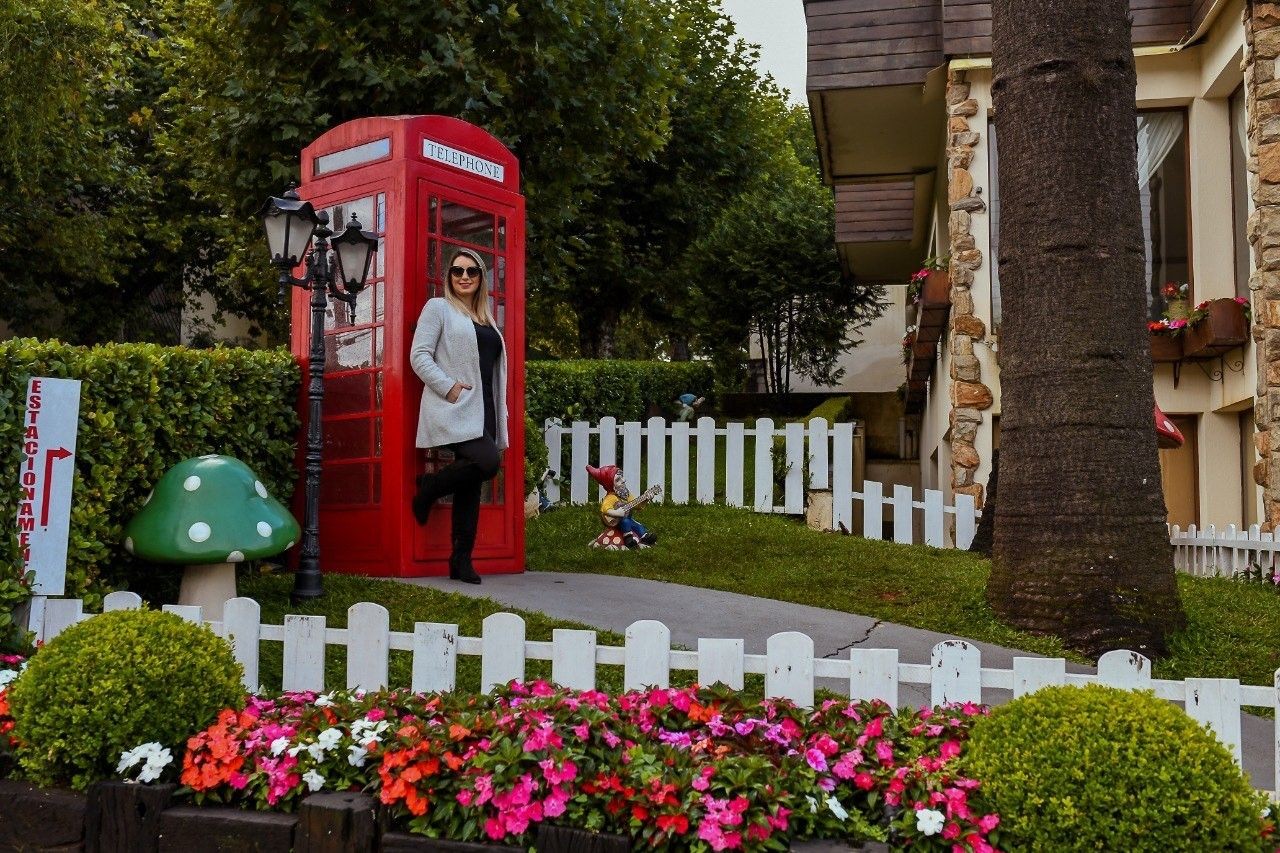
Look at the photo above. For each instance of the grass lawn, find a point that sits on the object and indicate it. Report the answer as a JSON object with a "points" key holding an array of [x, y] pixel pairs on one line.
{"points": [[1234, 629]]}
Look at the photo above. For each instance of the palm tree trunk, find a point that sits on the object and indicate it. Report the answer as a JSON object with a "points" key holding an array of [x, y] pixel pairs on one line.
{"points": [[1081, 549]]}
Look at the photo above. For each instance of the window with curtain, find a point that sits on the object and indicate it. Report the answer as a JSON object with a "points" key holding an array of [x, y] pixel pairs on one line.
{"points": [[1164, 196], [1240, 192]]}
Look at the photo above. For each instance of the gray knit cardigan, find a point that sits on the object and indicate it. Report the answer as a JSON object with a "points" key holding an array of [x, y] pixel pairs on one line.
{"points": [[444, 351]]}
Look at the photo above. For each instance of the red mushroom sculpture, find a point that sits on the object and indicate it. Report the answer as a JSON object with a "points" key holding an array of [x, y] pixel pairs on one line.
{"points": [[1168, 436]]}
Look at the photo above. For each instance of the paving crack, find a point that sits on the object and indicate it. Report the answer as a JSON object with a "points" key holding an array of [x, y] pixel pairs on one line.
{"points": [[865, 637]]}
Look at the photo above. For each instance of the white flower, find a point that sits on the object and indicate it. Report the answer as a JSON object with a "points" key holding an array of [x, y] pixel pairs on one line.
{"points": [[317, 751], [357, 756], [153, 756], [929, 821], [314, 780], [324, 700], [329, 738], [813, 804], [837, 809], [279, 745], [8, 676]]}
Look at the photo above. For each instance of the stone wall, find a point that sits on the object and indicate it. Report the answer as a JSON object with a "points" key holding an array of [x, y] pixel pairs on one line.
{"points": [[1262, 95], [969, 396]]}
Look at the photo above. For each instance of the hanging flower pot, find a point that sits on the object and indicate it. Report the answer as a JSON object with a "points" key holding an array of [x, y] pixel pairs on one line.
{"points": [[1223, 325], [1165, 348]]}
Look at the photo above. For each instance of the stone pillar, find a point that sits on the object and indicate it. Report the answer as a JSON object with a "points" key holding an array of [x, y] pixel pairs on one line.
{"points": [[1262, 99], [969, 396]]}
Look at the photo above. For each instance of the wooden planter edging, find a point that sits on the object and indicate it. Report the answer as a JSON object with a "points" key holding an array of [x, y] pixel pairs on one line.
{"points": [[120, 817]]}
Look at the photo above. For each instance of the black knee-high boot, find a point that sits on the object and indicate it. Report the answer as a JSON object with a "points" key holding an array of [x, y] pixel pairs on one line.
{"points": [[466, 519]]}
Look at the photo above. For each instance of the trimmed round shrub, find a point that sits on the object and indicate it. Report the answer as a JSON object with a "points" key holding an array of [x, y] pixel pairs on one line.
{"points": [[114, 682], [1097, 768]]}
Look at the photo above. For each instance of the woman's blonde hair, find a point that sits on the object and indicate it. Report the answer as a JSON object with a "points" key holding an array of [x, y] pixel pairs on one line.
{"points": [[479, 307]]}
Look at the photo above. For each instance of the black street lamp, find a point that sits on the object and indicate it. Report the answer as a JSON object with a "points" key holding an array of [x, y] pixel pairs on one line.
{"points": [[290, 224]]}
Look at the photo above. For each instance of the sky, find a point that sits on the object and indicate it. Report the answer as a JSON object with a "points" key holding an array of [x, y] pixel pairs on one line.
{"points": [[778, 27]]}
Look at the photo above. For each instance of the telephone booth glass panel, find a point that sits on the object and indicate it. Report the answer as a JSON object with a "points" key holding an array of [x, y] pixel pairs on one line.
{"points": [[355, 342]]}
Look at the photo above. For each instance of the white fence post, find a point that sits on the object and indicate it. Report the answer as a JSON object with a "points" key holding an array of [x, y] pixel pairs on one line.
{"points": [[705, 491], [435, 657], [1215, 702], [966, 521], [632, 437], [242, 628], [793, 488], [1030, 674], [655, 469], [60, 614], [579, 457], [554, 435], [874, 675], [303, 654], [608, 448], [764, 465], [721, 661], [680, 462], [903, 514], [935, 528], [502, 637], [121, 600], [957, 673], [789, 668], [872, 509], [573, 658], [647, 655], [842, 477], [819, 458], [368, 646], [1126, 670], [734, 441]]}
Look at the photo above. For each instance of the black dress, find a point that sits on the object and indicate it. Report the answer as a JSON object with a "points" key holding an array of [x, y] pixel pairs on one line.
{"points": [[489, 343]]}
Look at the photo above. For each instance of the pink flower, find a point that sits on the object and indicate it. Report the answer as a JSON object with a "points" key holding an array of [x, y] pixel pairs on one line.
{"points": [[465, 796], [816, 759], [884, 752], [493, 829], [847, 765], [704, 779], [988, 822], [950, 749], [582, 730], [827, 745]]}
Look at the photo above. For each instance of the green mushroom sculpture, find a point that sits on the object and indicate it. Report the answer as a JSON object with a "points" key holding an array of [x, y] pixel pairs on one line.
{"points": [[208, 514]]}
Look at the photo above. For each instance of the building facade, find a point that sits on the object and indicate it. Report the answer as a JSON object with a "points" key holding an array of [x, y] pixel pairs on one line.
{"points": [[900, 92]]}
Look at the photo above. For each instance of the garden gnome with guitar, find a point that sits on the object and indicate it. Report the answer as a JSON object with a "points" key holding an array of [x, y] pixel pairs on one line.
{"points": [[621, 530]]}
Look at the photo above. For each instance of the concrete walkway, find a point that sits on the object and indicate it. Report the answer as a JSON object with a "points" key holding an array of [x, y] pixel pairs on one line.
{"points": [[611, 603]]}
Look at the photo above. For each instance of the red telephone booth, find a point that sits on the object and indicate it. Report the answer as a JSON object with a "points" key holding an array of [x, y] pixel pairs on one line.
{"points": [[424, 184]]}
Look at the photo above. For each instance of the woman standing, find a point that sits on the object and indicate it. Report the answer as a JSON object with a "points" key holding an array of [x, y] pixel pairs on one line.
{"points": [[460, 357]]}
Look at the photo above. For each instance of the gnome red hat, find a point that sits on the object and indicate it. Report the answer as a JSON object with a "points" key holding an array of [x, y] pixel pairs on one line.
{"points": [[604, 475]]}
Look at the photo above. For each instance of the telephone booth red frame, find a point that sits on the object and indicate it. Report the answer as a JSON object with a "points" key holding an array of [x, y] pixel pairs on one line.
{"points": [[423, 184]]}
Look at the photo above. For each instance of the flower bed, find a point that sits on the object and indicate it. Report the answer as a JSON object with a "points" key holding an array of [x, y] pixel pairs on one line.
{"points": [[669, 768]]}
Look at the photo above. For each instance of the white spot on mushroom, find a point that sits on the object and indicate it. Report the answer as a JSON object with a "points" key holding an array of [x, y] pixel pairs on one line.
{"points": [[191, 483], [290, 545], [147, 499], [128, 544], [199, 532], [210, 456], [235, 557], [261, 490], [264, 530]]}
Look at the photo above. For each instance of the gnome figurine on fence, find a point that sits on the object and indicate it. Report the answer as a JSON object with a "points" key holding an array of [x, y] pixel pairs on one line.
{"points": [[687, 406], [621, 530]]}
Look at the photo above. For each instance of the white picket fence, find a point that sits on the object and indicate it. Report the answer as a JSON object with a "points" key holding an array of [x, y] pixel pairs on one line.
{"points": [[1208, 553], [955, 672], [662, 451]]}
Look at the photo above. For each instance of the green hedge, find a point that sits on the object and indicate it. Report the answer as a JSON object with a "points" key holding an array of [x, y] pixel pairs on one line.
{"points": [[143, 408], [589, 390]]}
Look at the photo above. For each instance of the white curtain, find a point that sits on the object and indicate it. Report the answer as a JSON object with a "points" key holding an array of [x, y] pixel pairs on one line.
{"points": [[1157, 134]]}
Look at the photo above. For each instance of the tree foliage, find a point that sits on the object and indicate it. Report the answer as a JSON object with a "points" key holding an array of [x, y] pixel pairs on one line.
{"points": [[767, 269], [638, 123], [93, 233]]}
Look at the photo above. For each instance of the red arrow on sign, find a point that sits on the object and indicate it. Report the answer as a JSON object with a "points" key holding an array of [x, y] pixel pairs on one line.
{"points": [[50, 456]]}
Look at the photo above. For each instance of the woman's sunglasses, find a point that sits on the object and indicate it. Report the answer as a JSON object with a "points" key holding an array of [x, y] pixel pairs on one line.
{"points": [[470, 272]]}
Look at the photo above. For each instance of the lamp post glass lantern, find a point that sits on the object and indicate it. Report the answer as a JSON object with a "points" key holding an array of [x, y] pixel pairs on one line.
{"points": [[291, 224]]}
